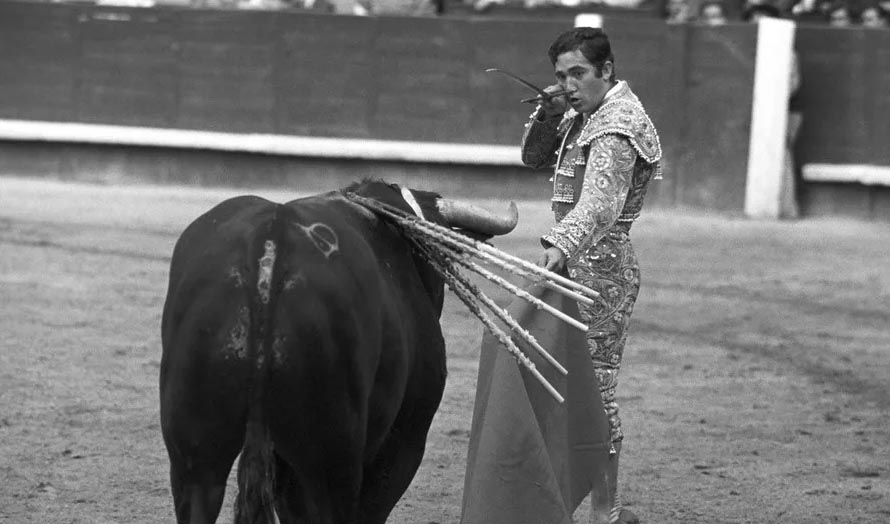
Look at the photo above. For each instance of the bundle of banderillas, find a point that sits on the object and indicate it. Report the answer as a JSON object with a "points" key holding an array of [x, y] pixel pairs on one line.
{"points": [[446, 249]]}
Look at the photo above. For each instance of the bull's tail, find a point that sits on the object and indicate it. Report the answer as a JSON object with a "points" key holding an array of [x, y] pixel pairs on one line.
{"points": [[256, 477], [256, 468]]}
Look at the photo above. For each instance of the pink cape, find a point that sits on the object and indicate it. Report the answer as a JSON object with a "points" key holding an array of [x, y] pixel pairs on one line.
{"points": [[530, 459]]}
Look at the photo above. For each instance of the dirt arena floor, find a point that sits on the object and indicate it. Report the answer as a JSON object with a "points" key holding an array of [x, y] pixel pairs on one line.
{"points": [[754, 390]]}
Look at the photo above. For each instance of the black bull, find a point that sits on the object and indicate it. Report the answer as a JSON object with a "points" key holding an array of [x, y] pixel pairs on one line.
{"points": [[306, 337]]}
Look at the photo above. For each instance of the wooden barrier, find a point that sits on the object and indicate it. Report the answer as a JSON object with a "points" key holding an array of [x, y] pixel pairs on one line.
{"points": [[312, 76], [842, 148]]}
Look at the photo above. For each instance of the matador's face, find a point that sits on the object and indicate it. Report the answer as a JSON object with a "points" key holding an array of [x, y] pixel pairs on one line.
{"points": [[577, 75]]}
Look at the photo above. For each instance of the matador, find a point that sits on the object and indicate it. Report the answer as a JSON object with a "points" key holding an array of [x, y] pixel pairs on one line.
{"points": [[605, 151]]}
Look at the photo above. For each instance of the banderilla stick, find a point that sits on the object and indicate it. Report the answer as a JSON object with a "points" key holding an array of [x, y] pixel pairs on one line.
{"points": [[524, 264], [468, 299], [538, 303], [488, 257], [500, 312], [461, 242]]}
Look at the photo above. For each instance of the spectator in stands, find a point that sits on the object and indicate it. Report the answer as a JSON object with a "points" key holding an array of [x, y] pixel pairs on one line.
{"points": [[345, 7], [262, 5], [400, 7], [874, 16], [318, 6], [809, 11], [677, 11], [788, 207], [482, 6], [838, 15], [215, 4], [712, 12]]}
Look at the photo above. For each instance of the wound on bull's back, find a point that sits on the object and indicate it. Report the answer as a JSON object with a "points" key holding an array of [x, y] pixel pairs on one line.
{"points": [[264, 278]]}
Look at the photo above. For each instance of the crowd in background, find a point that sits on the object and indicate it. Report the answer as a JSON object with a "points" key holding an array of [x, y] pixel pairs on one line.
{"points": [[346, 7], [837, 13]]}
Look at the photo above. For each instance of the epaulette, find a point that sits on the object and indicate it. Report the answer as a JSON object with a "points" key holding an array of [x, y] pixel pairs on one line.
{"points": [[625, 116]]}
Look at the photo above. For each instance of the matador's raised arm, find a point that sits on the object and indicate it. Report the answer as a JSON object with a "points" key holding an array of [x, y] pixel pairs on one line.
{"points": [[540, 140]]}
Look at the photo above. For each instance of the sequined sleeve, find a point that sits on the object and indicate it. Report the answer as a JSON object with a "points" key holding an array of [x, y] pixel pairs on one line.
{"points": [[540, 141], [607, 179]]}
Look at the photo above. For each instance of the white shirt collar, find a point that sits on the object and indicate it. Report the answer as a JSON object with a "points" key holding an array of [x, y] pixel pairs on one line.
{"points": [[615, 88]]}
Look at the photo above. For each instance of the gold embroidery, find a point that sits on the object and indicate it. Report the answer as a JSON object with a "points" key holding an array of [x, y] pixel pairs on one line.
{"points": [[564, 193], [607, 181], [566, 171], [623, 114]]}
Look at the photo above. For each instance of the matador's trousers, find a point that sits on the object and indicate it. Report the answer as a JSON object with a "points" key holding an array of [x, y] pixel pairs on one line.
{"points": [[610, 268]]}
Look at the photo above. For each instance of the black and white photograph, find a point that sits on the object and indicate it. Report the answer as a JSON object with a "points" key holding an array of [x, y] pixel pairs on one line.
{"points": [[445, 261]]}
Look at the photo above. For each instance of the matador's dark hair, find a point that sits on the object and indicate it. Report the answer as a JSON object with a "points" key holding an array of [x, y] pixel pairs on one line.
{"points": [[593, 43]]}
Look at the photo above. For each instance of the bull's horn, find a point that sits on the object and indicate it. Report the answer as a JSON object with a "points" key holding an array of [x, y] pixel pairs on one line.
{"points": [[475, 218]]}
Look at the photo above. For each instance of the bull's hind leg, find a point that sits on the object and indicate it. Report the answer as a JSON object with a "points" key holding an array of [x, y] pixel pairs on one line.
{"points": [[202, 443], [321, 490], [392, 470], [197, 498], [203, 414]]}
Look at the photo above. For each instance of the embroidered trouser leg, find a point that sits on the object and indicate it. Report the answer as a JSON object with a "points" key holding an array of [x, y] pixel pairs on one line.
{"points": [[606, 353], [610, 268]]}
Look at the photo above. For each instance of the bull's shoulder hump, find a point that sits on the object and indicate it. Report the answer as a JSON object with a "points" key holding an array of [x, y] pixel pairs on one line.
{"points": [[333, 206], [234, 208]]}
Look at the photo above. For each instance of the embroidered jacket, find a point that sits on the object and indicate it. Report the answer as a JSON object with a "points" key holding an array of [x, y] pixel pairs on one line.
{"points": [[602, 168]]}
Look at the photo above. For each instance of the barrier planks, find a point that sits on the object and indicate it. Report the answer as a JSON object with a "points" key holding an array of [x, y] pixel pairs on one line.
{"points": [[423, 79]]}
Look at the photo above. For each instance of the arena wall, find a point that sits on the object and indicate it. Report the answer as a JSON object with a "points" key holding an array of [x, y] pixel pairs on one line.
{"points": [[843, 146], [423, 81]]}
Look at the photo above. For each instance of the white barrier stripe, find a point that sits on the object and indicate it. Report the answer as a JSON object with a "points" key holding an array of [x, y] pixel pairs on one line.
{"points": [[870, 175], [346, 148]]}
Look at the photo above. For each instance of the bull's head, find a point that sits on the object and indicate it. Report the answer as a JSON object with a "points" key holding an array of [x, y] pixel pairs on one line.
{"points": [[469, 218]]}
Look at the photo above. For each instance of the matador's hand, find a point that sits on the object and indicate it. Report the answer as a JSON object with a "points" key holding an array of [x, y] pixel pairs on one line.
{"points": [[555, 106], [553, 259]]}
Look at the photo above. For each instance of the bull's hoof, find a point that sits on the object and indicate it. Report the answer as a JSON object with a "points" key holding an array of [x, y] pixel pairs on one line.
{"points": [[627, 517]]}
